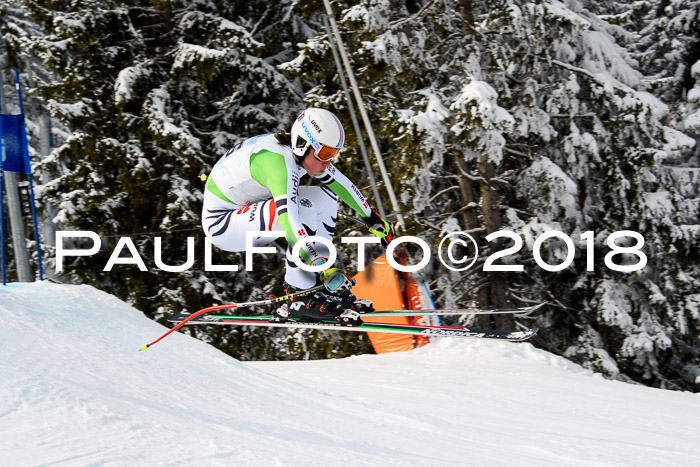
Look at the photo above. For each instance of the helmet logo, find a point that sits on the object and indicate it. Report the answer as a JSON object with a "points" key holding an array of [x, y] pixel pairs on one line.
{"points": [[308, 133], [316, 125]]}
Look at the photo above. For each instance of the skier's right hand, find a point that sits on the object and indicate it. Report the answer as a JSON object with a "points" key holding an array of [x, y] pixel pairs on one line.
{"points": [[379, 227], [336, 280]]}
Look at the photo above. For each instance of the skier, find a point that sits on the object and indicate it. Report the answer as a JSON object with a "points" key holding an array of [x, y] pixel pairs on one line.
{"points": [[255, 187]]}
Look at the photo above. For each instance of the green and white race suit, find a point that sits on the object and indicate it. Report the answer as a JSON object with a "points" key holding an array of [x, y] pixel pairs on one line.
{"points": [[255, 187]]}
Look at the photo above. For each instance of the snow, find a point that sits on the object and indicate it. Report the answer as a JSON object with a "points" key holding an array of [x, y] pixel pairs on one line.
{"points": [[692, 122], [478, 102], [429, 121], [161, 123], [562, 11], [695, 70], [188, 54], [77, 109], [480, 98], [563, 191], [125, 82], [373, 18], [76, 391]]}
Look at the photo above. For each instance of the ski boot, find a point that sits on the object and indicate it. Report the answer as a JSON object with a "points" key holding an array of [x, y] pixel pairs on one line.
{"points": [[363, 306], [350, 301], [280, 314], [319, 306], [349, 318]]}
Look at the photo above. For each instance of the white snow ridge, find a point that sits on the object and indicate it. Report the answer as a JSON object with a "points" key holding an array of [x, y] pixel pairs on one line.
{"points": [[75, 390]]}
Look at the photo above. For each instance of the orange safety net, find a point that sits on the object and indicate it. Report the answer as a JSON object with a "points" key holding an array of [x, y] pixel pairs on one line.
{"points": [[379, 283]]}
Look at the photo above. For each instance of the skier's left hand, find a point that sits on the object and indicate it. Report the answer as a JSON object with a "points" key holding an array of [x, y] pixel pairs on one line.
{"points": [[337, 280], [379, 227]]}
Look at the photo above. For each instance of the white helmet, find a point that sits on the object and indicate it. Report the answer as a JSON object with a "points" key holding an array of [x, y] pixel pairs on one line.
{"points": [[319, 129]]}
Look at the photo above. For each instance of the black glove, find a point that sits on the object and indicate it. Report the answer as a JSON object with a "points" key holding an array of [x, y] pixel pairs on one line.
{"points": [[379, 227]]}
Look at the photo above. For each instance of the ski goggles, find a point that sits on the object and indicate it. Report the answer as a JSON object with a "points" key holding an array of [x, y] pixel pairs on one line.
{"points": [[325, 153]]}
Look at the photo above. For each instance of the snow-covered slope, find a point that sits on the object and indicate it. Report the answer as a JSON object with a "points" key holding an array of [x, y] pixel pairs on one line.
{"points": [[75, 390]]}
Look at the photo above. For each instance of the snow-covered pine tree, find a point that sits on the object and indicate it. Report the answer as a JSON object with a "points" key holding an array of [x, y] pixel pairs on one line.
{"points": [[128, 168], [154, 94], [548, 96], [666, 42], [691, 120], [604, 171], [15, 28]]}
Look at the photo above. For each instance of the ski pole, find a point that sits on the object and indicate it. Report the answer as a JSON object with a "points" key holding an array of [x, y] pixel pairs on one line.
{"points": [[269, 301], [352, 219]]}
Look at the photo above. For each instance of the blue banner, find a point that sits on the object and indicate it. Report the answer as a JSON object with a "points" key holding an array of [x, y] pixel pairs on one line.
{"points": [[14, 144]]}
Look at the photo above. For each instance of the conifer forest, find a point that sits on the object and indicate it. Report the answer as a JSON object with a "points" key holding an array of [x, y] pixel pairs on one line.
{"points": [[529, 116]]}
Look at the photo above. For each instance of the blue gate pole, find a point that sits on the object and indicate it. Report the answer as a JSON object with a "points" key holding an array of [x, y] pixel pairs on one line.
{"points": [[25, 151], [2, 211]]}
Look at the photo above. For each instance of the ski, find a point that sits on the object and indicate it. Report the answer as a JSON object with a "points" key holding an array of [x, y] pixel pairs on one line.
{"points": [[519, 311], [416, 330], [269, 301]]}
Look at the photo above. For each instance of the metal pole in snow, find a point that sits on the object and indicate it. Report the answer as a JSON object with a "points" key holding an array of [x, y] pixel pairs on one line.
{"points": [[37, 239], [14, 208], [355, 124], [2, 212], [363, 113]]}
